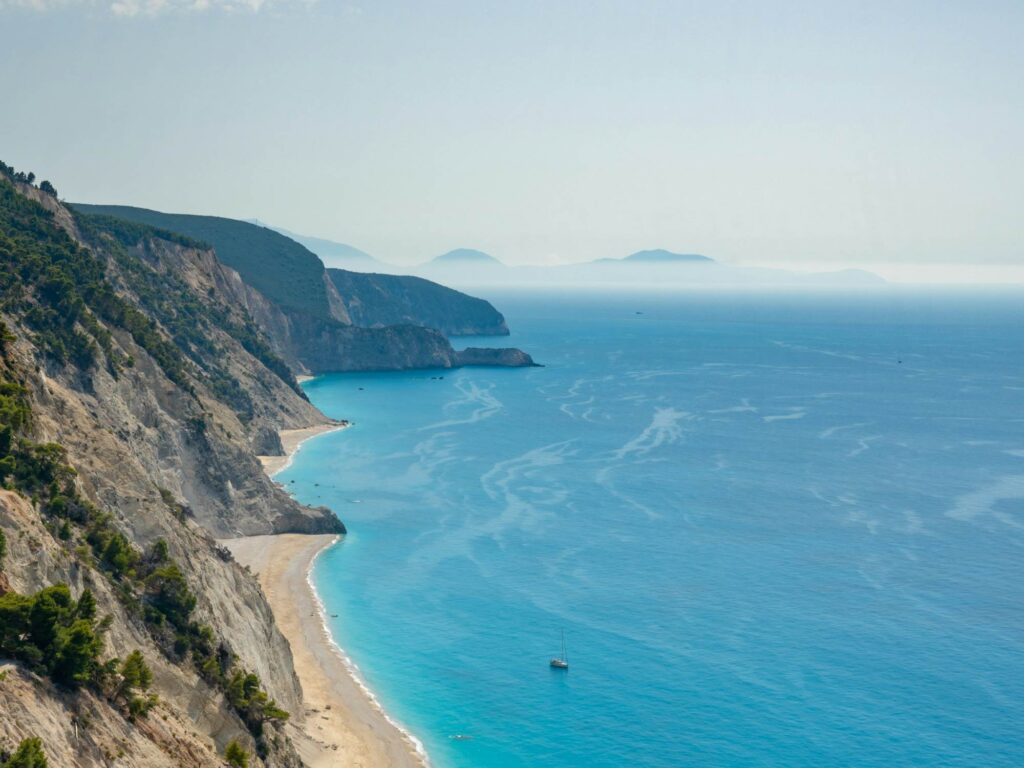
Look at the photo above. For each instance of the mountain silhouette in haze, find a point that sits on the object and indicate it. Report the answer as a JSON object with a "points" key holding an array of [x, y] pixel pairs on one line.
{"points": [[333, 253], [464, 256], [657, 256], [661, 256]]}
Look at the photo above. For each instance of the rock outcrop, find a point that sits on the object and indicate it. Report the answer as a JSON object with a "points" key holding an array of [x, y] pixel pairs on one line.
{"points": [[127, 350], [377, 300], [323, 322], [399, 347], [505, 358], [139, 377]]}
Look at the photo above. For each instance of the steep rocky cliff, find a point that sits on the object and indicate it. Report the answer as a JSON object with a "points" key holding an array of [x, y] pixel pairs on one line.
{"points": [[376, 300], [132, 392], [279, 268], [368, 322], [507, 358]]}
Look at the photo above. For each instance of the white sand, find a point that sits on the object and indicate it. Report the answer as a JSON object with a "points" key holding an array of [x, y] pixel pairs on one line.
{"points": [[342, 725], [292, 440]]}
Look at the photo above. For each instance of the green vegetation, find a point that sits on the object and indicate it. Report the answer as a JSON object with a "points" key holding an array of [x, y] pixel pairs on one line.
{"points": [[26, 178], [189, 318], [29, 754], [250, 701], [3, 548], [132, 233], [55, 635], [60, 291], [236, 755], [48, 633], [39, 267], [380, 300], [136, 678], [279, 268], [26, 466]]}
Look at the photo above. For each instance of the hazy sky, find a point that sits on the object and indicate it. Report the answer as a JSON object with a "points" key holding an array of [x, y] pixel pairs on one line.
{"points": [[887, 135]]}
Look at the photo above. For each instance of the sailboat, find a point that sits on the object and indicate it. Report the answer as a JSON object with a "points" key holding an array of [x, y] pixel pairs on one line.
{"points": [[562, 662]]}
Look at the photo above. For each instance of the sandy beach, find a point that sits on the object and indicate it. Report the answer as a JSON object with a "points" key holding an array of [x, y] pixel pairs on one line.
{"points": [[341, 724], [292, 440]]}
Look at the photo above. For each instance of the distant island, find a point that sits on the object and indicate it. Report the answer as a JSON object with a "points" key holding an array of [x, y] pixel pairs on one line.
{"points": [[657, 256], [661, 256], [465, 255], [334, 254]]}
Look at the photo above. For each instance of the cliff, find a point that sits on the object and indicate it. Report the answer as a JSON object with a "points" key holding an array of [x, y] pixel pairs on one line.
{"points": [[281, 269], [314, 324], [132, 392], [399, 347], [317, 345], [505, 358], [376, 300]]}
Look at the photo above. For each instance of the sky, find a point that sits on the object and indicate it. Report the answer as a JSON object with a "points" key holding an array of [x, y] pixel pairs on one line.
{"points": [[819, 135]]}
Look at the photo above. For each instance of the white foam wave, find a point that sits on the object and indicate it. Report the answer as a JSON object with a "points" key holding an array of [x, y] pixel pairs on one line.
{"points": [[664, 429], [472, 395], [352, 668], [826, 352], [794, 413], [604, 479], [648, 375], [566, 408], [743, 407], [827, 433], [575, 391], [523, 506], [983, 500], [862, 445]]}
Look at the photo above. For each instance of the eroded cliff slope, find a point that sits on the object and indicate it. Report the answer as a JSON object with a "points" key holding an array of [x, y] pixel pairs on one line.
{"points": [[353, 322], [132, 393], [376, 300]]}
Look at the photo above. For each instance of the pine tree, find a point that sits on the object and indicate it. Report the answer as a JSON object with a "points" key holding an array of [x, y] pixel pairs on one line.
{"points": [[28, 755], [236, 755]]}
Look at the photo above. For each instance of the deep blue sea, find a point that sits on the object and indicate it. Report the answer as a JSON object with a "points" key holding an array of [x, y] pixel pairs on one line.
{"points": [[776, 531]]}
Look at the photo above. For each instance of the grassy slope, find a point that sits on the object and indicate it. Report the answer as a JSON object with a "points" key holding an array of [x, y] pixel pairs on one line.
{"points": [[279, 268]]}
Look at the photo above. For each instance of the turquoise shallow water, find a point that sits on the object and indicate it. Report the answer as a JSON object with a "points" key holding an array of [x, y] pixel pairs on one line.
{"points": [[777, 532]]}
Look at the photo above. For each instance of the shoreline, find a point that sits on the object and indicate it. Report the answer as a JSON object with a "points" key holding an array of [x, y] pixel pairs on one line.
{"points": [[292, 441], [343, 722]]}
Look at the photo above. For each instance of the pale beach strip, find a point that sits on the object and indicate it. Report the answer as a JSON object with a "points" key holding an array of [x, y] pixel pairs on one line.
{"points": [[292, 440], [342, 723]]}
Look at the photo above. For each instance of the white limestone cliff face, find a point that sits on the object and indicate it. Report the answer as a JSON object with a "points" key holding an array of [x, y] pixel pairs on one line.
{"points": [[146, 448]]}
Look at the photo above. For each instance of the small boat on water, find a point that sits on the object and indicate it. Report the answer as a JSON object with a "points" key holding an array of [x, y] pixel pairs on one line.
{"points": [[562, 662]]}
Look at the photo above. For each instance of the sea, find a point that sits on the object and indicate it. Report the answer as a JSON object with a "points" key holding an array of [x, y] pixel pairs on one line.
{"points": [[775, 530]]}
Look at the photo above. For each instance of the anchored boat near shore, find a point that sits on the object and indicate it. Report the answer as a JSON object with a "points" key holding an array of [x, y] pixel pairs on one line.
{"points": [[562, 662]]}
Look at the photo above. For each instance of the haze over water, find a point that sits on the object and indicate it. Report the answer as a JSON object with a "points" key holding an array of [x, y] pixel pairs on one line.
{"points": [[776, 531]]}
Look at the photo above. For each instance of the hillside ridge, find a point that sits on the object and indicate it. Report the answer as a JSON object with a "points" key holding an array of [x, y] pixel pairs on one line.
{"points": [[398, 334], [126, 446]]}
